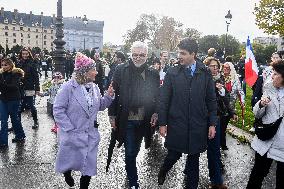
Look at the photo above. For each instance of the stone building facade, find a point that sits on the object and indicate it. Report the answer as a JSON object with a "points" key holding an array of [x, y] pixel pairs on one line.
{"points": [[31, 30], [28, 30]]}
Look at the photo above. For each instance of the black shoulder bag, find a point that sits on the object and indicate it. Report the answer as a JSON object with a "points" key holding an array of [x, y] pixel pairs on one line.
{"points": [[266, 131]]}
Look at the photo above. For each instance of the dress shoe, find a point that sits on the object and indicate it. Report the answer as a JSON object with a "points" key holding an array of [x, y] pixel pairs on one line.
{"points": [[11, 129], [18, 140], [162, 177], [225, 148], [35, 126]]}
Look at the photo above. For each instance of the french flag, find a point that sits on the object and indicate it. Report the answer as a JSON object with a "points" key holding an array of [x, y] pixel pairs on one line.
{"points": [[251, 69]]}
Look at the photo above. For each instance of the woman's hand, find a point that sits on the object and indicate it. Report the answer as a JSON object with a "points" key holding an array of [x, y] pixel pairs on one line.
{"points": [[219, 86], [110, 90], [264, 101]]}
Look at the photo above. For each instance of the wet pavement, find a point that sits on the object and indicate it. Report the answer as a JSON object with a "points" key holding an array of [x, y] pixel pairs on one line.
{"points": [[31, 165]]}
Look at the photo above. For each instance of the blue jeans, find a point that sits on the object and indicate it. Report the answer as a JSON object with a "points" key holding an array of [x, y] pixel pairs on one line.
{"points": [[10, 108], [29, 102], [214, 158], [132, 145]]}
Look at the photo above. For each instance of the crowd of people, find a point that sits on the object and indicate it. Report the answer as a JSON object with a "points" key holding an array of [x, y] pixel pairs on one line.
{"points": [[190, 102]]}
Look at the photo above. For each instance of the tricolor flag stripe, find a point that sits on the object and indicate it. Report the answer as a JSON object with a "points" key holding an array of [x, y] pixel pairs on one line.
{"points": [[251, 69]]}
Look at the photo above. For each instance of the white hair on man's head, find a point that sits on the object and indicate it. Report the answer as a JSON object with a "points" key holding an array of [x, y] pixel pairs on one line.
{"points": [[139, 44]]}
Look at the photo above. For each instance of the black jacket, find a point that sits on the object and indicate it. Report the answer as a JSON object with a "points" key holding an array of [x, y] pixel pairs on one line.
{"points": [[120, 106], [10, 84], [100, 76], [186, 106], [31, 78]]}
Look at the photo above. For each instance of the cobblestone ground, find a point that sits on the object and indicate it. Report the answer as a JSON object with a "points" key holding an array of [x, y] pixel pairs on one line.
{"points": [[31, 165]]}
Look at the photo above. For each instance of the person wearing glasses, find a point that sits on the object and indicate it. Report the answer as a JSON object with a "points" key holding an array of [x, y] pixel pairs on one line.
{"points": [[134, 111], [10, 98], [233, 85]]}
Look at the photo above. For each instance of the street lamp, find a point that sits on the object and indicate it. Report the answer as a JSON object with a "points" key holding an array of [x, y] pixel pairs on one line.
{"points": [[59, 52], [228, 19], [85, 20]]}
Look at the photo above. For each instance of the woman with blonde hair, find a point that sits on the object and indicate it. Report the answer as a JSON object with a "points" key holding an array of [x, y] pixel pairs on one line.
{"points": [[233, 85], [10, 98]]}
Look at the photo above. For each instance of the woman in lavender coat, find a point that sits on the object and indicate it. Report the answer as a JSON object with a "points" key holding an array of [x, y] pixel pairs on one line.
{"points": [[75, 110]]}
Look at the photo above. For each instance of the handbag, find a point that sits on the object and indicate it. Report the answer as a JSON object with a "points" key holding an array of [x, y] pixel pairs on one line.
{"points": [[266, 131]]}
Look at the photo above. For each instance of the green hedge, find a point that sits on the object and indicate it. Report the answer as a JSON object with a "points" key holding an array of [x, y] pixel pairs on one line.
{"points": [[248, 115]]}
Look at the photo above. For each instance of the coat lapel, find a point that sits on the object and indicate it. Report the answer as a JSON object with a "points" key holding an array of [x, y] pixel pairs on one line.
{"points": [[80, 97]]}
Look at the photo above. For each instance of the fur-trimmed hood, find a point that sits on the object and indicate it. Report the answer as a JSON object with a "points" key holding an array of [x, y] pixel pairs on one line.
{"points": [[15, 71]]}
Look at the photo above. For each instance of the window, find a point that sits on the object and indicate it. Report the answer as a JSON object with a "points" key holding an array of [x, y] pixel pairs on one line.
{"points": [[7, 40], [21, 28], [29, 29], [6, 28], [6, 34], [36, 42], [29, 36], [22, 35], [44, 42], [22, 41], [51, 44], [44, 37], [36, 30], [14, 35], [51, 37], [51, 31], [29, 42], [14, 28], [45, 31], [37, 36], [14, 41]]}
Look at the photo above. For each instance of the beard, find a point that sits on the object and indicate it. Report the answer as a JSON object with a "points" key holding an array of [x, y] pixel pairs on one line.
{"points": [[138, 64]]}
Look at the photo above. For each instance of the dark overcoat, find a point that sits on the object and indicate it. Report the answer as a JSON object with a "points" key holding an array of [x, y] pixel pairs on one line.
{"points": [[120, 106], [186, 106]]}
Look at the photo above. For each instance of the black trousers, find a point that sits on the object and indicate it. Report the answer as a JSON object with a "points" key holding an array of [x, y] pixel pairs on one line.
{"points": [[224, 121], [191, 169], [261, 168]]}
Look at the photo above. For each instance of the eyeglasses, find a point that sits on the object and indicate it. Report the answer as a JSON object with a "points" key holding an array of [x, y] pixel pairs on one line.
{"points": [[226, 68], [134, 55], [4, 65]]}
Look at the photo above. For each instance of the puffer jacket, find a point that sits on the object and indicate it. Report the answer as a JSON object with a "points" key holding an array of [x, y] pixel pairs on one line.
{"points": [[10, 84]]}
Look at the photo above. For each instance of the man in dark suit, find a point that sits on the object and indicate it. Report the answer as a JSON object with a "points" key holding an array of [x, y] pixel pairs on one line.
{"points": [[187, 112]]}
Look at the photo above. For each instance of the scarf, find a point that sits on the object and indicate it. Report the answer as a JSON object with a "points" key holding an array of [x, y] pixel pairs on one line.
{"points": [[137, 87]]}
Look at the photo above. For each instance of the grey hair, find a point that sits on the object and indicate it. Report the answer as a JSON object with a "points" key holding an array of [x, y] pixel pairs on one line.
{"points": [[139, 44]]}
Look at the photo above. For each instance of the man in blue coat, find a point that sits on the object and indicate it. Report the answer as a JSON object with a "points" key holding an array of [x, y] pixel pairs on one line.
{"points": [[187, 106]]}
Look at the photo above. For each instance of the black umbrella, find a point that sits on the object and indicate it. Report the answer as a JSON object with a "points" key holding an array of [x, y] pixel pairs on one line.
{"points": [[113, 138]]}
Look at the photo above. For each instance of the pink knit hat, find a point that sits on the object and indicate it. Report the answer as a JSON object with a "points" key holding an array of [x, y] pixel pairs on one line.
{"points": [[83, 63]]}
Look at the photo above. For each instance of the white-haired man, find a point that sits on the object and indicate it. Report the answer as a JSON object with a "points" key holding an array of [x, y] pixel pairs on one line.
{"points": [[133, 112]]}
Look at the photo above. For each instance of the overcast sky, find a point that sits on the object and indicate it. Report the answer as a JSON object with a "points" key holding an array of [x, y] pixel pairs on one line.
{"points": [[207, 16]]}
